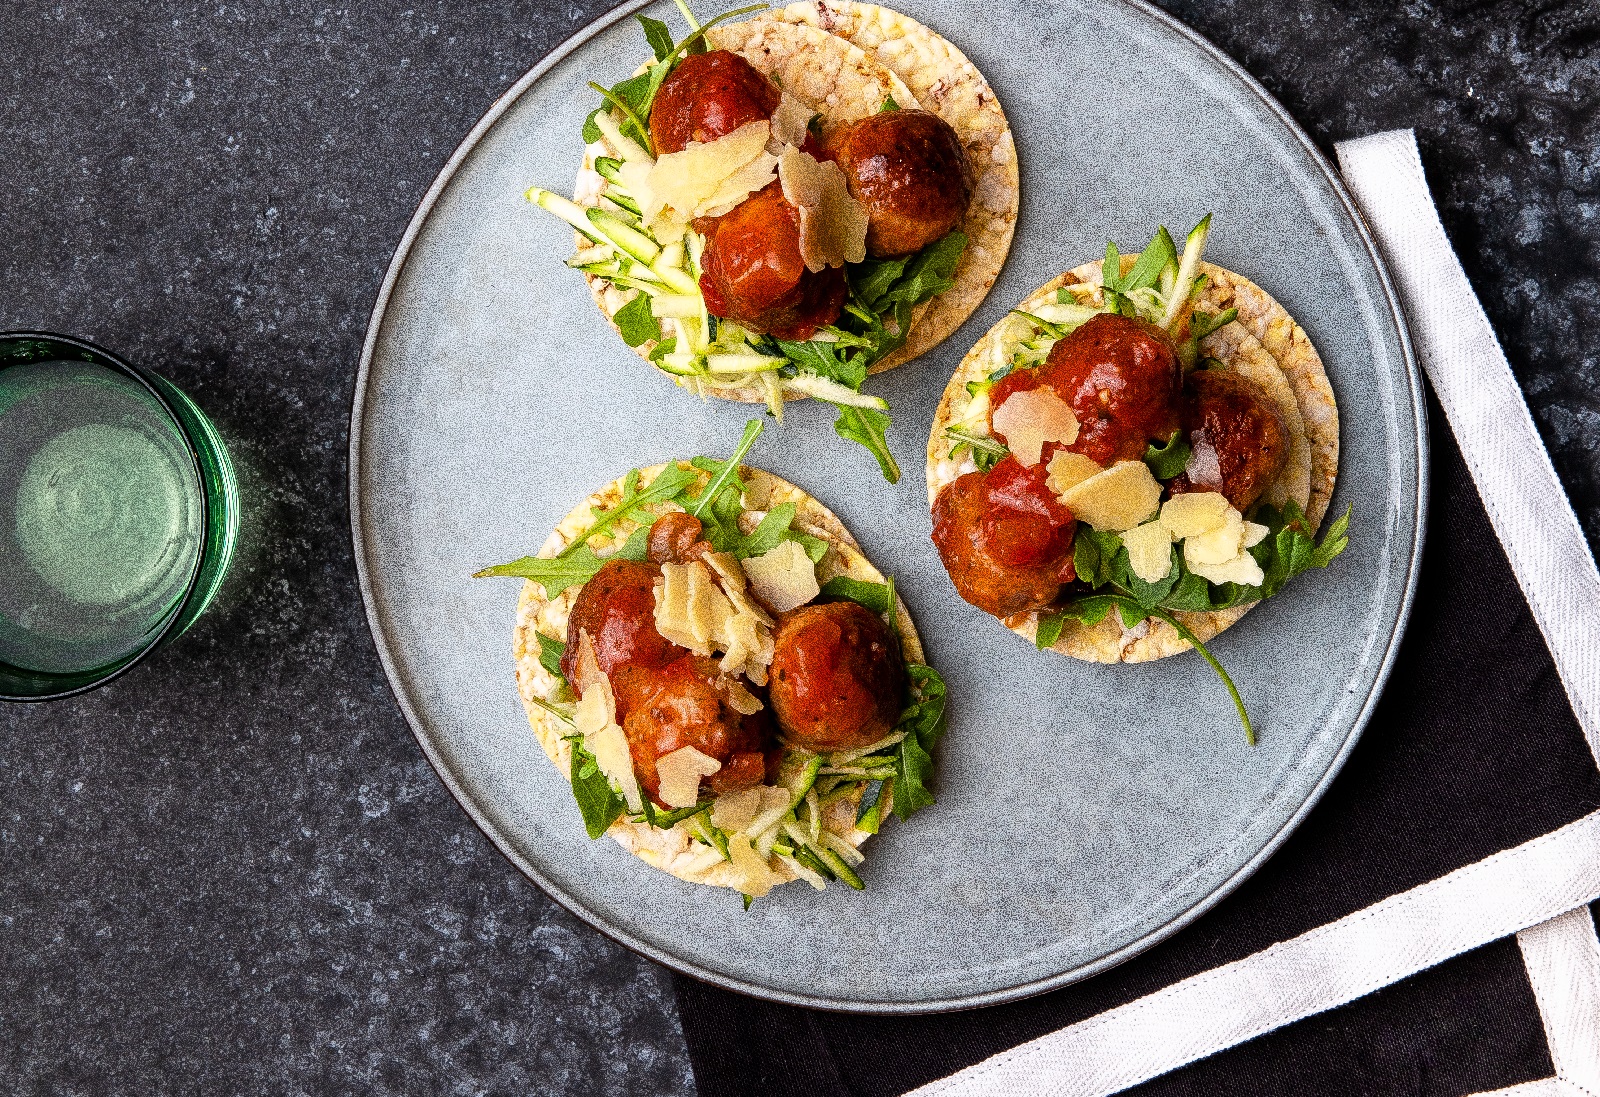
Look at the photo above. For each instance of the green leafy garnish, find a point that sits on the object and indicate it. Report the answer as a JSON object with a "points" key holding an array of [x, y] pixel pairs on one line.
{"points": [[888, 104], [550, 653], [597, 800], [570, 569], [986, 452], [878, 597], [1169, 461], [923, 723], [637, 323], [869, 428], [869, 816], [1048, 630], [657, 35]]}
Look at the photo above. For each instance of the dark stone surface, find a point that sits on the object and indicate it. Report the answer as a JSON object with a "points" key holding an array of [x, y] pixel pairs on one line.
{"points": [[233, 871]]}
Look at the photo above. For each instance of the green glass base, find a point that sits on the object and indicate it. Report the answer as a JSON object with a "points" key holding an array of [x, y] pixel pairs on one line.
{"points": [[91, 501]]}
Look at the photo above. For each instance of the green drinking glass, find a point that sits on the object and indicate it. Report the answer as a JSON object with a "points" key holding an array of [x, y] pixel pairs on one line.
{"points": [[118, 512]]}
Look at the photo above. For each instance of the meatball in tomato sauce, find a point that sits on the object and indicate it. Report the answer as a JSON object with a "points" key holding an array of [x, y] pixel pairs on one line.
{"points": [[908, 170], [617, 609], [679, 705], [1240, 442], [1005, 538], [709, 95], [837, 679], [1121, 378], [753, 273]]}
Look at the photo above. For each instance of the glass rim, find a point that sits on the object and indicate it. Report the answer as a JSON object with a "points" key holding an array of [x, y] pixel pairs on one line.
{"points": [[102, 356]]}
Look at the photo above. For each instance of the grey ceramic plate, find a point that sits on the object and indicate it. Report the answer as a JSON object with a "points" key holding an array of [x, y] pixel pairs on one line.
{"points": [[1084, 813]]}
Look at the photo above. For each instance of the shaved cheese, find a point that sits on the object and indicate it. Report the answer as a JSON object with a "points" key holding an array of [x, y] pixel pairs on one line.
{"points": [[1217, 545], [833, 225], [1241, 569], [1216, 538], [1067, 470], [784, 578], [1117, 499], [1194, 513], [755, 877], [683, 185], [733, 811], [1149, 551], [1029, 419], [738, 698], [587, 670], [595, 718], [695, 611], [791, 122], [680, 774]]}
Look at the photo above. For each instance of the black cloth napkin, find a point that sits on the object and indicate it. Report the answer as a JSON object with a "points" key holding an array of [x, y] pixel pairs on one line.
{"points": [[1473, 749]]}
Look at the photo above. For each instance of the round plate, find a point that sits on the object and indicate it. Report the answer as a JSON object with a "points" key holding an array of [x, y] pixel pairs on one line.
{"points": [[1084, 812]]}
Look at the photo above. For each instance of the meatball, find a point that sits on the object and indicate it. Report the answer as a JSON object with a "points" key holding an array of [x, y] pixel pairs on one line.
{"points": [[753, 273], [1121, 379], [709, 95], [908, 169], [838, 681], [1232, 417], [617, 609], [675, 539], [1005, 538], [678, 706]]}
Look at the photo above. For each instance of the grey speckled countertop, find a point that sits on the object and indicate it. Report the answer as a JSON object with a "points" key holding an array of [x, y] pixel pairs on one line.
{"points": [[233, 871]]}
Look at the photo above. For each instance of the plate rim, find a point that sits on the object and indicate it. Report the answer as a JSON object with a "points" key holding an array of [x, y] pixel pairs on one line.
{"points": [[596, 919]]}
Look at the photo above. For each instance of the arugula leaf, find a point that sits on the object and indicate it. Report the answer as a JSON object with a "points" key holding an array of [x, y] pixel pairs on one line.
{"points": [[550, 653], [665, 487], [1095, 556], [923, 723], [930, 272], [657, 35], [874, 596], [889, 104], [1092, 609], [776, 527], [986, 452], [830, 360], [1289, 550], [597, 801], [1171, 459], [868, 427], [636, 322], [726, 471], [870, 280], [1049, 630], [567, 570], [1146, 273]]}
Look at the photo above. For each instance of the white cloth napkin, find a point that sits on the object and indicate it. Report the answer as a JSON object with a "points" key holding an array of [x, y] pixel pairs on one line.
{"points": [[1469, 371], [1542, 884]]}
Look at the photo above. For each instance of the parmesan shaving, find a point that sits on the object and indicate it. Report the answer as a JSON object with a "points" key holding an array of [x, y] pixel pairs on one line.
{"points": [[684, 185], [791, 122], [733, 811], [833, 225], [696, 612], [1216, 538], [755, 877], [1117, 499], [1149, 551], [738, 698], [1029, 419], [680, 774], [595, 718], [1194, 513], [784, 578], [1067, 470], [587, 670]]}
